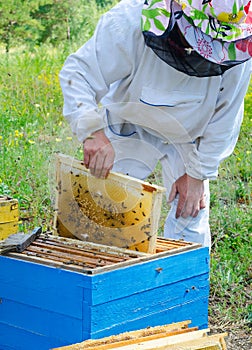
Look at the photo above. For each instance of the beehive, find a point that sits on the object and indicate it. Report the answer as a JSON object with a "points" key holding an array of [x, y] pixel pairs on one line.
{"points": [[61, 291], [119, 211], [9, 214]]}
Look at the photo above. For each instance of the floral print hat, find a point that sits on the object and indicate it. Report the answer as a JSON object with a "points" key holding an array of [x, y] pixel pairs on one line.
{"points": [[219, 30]]}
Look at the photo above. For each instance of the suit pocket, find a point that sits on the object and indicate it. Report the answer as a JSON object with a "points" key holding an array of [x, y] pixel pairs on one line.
{"points": [[161, 98]]}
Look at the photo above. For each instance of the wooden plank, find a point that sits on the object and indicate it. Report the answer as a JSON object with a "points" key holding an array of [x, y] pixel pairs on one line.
{"points": [[95, 246], [148, 339], [150, 274], [169, 340], [51, 263], [132, 341], [165, 342], [222, 342], [145, 259], [15, 338], [196, 310], [36, 320], [44, 287], [136, 257], [74, 163], [194, 340], [190, 341], [151, 302], [158, 331]]}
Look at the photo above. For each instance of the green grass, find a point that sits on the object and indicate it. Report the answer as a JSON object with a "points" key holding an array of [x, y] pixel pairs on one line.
{"points": [[32, 129], [231, 226]]}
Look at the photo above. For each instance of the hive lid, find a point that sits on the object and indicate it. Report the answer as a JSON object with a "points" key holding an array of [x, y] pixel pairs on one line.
{"points": [[118, 211]]}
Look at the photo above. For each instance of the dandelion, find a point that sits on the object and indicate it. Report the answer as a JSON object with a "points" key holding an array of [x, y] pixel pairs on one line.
{"points": [[248, 152], [37, 105], [31, 142], [1, 137], [58, 139], [69, 138], [18, 134]]}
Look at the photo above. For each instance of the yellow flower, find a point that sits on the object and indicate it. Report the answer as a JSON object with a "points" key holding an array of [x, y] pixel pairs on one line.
{"points": [[230, 17], [31, 142], [248, 152], [58, 139], [1, 137], [69, 138], [183, 5]]}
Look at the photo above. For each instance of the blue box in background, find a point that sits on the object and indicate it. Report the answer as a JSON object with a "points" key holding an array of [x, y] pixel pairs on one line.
{"points": [[48, 301]]}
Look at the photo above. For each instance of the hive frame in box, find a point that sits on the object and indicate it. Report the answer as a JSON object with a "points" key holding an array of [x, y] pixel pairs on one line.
{"points": [[120, 210], [139, 257]]}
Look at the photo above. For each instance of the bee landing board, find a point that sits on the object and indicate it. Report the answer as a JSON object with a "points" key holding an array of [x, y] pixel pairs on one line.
{"points": [[118, 211]]}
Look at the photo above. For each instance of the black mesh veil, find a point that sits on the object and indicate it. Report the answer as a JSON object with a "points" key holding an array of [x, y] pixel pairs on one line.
{"points": [[173, 50]]}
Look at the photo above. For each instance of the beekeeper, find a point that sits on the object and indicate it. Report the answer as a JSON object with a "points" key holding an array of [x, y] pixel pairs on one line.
{"points": [[163, 81]]}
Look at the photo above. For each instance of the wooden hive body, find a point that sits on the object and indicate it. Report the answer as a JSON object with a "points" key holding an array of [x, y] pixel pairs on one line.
{"points": [[9, 215], [48, 302]]}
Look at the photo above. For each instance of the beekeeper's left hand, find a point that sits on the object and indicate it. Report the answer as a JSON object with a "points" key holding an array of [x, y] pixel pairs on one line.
{"points": [[190, 193]]}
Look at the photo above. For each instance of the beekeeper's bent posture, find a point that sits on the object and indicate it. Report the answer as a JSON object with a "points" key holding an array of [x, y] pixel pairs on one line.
{"points": [[171, 78]]}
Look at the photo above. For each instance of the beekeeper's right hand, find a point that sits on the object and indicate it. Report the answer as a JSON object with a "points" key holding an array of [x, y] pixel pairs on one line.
{"points": [[99, 154]]}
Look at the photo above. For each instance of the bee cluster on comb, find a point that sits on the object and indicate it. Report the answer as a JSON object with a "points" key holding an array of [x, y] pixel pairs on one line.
{"points": [[118, 211]]}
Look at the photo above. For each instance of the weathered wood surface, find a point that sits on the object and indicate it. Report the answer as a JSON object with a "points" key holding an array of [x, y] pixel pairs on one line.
{"points": [[176, 336], [92, 258]]}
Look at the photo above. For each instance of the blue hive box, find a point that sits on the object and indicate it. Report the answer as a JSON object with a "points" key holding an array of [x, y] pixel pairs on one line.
{"points": [[47, 301]]}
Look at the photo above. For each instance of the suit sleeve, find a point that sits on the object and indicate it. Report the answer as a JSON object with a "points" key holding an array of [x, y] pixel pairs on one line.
{"points": [[87, 74], [221, 134]]}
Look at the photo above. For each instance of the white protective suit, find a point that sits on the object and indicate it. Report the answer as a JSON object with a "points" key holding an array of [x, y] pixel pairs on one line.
{"points": [[150, 111]]}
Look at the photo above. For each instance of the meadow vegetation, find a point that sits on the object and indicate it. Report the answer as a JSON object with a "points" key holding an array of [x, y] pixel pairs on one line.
{"points": [[32, 129]]}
